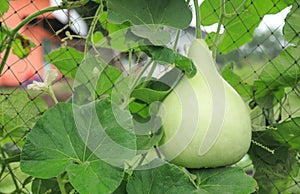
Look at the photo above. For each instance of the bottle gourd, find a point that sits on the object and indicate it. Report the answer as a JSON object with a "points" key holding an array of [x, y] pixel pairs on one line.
{"points": [[205, 122]]}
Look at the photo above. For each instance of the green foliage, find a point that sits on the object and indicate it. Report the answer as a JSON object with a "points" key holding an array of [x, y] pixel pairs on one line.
{"points": [[151, 16], [71, 146], [275, 158], [46, 146], [234, 80], [284, 70], [18, 114], [224, 180], [41, 186], [66, 59], [4, 7], [22, 46], [291, 28], [165, 179], [169, 56], [239, 19]]}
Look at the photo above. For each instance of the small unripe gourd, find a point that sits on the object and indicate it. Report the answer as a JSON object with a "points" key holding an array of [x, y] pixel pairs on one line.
{"points": [[205, 121]]}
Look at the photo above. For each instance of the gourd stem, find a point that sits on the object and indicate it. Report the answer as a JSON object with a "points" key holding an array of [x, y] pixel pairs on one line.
{"points": [[198, 20]]}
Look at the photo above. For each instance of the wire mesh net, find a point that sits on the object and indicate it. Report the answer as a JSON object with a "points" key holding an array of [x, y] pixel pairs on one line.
{"points": [[260, 61]]}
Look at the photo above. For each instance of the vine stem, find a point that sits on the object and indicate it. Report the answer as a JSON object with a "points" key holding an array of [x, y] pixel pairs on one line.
{"points": [[198, 20], [138, 79], [92, 28], [10, 170], [61, 184], [14, 31], [176, 40], [51, 92], [216, 39]]}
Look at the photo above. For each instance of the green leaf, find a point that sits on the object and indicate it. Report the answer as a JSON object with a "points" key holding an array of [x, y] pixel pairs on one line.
{"points": [[265, 96], [166, 55], [157, 35], [121, 189], [165, 179], [240, 19], [276, 167], [4, 7], [11, 149], [110, 27], [66, 59], [97, 37], [149, 95], [55, 145], [107, 79], [22, 46], [289, 132], [42, 186], [291, 29], [150, 12], [224, 180], [18, 113], [152, 15], [284, 70], [235, 81]]}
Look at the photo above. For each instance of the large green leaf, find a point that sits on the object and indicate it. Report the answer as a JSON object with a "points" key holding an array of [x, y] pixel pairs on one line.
{"points": [[291, 29], [166, 55], [150, 15], [18, 113], [165, 179], [284, 70], [66, 59], [224, 180], [56, 145], [240, 19], [150, 12]]}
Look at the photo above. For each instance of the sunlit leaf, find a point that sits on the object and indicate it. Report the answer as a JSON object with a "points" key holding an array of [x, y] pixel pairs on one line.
{"points": [[56, 145], [66, 59]]}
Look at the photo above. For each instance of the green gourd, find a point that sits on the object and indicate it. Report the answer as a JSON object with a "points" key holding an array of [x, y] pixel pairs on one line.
{"points": [[205, 121]]}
